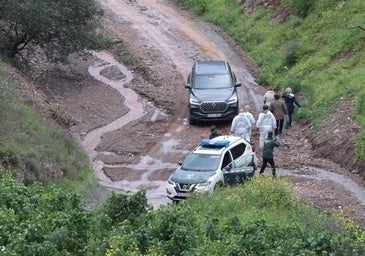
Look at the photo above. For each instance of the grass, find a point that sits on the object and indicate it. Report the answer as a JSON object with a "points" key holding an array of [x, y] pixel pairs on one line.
{"points": [[34, 149], [264, 217], [319, 51]]}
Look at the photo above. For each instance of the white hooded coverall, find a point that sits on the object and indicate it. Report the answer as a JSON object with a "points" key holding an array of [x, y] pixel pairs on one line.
{"points": [[241, 126], [266, 123]]}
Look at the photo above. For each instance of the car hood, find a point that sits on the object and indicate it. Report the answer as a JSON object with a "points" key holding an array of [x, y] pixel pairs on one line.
{"points": [[213, 94], [190, 177]]}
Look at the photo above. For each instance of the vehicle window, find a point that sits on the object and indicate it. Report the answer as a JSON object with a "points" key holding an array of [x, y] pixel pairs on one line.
{"points": [[212, 81], [242, 161], [226, 159], [201, 162], [238, 150]]}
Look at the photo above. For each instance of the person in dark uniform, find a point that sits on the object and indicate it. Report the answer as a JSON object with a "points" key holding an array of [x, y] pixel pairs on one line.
{"points": [[268, 153], [214, 132]]}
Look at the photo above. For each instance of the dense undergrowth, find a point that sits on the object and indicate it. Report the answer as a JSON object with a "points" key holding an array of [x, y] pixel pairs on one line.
{"points": [[260, 218], [318, 50]]}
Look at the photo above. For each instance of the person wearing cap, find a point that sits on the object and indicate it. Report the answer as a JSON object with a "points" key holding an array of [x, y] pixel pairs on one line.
{"points": [[214, 132], [266, 123], [241, 126], [290, 102], [268, 153], [280, 111]]}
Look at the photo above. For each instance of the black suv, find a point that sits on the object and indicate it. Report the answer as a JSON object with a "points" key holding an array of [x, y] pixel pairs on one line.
{"points": [[212, 91]]}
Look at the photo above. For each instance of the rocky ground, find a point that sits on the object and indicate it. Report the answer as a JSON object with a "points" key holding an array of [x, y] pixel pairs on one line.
{"points": [[158, 79]]}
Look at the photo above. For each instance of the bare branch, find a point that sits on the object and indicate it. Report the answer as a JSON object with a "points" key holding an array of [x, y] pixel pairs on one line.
{"points": [[359, 27]]}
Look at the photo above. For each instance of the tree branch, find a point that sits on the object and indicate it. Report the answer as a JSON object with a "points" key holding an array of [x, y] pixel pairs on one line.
{"points": [[362, 28]]}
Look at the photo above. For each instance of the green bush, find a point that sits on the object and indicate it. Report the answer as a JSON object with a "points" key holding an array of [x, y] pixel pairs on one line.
{"points": [[41, 221], [121, 207], [261, 217], [291, 53], [301, 8]]}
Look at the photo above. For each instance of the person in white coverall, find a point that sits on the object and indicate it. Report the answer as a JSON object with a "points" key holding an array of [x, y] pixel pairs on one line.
{"points": [[241, 125], [249, 115], [265, 123]]}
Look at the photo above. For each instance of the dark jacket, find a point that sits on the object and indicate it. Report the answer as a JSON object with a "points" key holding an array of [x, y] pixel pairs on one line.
{"points": [[290, 100], [279, 109], [214, 134], [268, 149]]}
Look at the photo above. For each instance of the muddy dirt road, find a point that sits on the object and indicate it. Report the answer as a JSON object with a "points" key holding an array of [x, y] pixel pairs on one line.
{"points": [[180, 43], [133, 120]]}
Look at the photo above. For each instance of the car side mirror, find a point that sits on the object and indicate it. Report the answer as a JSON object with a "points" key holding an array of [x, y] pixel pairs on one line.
{"points": [[180, 162], [238, 84], [188, 86]]}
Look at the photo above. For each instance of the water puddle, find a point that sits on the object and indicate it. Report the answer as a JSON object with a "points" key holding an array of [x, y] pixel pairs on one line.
{"points": [[320, 174], [155, 189]]}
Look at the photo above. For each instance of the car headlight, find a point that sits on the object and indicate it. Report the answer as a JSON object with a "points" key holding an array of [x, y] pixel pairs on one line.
{"points": [[194, 101], [205, 184], [233, 99], [170, 182]]}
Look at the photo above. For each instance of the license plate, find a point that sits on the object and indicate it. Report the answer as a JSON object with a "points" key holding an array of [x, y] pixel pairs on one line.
{"points": [[182, 194], [215, 115]]}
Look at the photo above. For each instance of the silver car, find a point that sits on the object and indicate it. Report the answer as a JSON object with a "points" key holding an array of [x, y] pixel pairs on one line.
{"points": [[224, 160]]}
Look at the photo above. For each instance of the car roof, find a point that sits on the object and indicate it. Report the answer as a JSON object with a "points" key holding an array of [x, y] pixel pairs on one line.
{"points": [[211, 67], [217, 145]]}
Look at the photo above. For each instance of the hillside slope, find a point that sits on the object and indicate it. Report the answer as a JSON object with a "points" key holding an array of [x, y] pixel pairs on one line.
{"points": [[315, 47]]}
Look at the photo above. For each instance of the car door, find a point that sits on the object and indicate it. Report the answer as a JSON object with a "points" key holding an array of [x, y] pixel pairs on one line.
{"points": [[238, 170]]}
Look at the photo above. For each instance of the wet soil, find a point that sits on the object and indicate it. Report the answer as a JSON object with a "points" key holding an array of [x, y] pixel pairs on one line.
{"points": [[132, 119]]}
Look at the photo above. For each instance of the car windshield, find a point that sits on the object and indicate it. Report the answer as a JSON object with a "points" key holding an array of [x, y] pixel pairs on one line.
{"points": [[212, 81], [201, 162]]}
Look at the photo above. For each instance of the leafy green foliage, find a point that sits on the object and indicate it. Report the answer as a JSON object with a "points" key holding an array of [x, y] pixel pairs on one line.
{"points": [[39, 221], [121, 207], [59, 27], [261, 217]]}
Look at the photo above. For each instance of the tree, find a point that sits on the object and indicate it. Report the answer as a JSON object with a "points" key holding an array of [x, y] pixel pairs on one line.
{"points": [[57, 26]]}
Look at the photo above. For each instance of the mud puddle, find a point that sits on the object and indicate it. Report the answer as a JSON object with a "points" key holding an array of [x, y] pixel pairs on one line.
{"points": [[155, 189], [324, 175]]}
